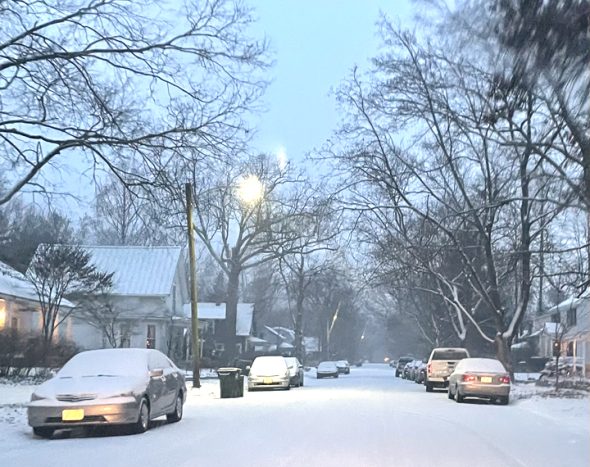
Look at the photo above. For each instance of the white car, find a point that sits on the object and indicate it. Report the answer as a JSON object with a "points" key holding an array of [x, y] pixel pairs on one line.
{"points": [[480, 377], [327, 370], [269, 372]]}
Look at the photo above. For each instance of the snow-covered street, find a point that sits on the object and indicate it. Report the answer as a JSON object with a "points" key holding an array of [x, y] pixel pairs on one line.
{"points": [[367, 418]]}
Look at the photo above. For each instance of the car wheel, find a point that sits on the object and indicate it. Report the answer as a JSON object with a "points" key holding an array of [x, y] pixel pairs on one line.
{"points": [[458, 397], [143, 418], [449, 393], [505, 400], [43, 431], [397, 374], [301, 383], [176, 415], [428, 387]]}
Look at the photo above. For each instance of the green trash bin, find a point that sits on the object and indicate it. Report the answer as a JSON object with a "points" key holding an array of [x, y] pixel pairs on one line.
{"points": [[231, 382]]}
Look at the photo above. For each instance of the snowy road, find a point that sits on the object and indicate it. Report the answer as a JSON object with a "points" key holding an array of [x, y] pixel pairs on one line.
{"points": [[367, 418]]}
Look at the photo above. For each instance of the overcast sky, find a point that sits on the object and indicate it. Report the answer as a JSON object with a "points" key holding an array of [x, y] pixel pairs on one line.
{"points": [[315, 43]]}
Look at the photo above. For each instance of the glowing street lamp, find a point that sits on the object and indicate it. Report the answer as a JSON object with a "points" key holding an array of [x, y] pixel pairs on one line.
{"points": [[250, 190]]}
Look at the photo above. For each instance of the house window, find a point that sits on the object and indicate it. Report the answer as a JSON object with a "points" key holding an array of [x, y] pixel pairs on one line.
{"points": [[150, 342], [572, 317], [124, 336], [219, 347], [555, 318]]}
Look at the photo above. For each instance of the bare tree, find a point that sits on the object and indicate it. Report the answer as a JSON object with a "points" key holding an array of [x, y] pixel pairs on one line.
{"points": [[114, 80], [57, 271], [456, 174]]}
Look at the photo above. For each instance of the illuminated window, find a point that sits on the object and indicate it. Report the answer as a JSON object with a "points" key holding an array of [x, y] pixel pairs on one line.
{"points": [[2, 313]]}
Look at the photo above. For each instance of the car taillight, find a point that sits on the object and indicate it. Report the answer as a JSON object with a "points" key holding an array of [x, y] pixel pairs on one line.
{"points": [[505, 379], [469, 378], [428, 367]]}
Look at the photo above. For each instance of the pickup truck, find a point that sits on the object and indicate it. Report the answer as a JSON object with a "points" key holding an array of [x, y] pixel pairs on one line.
{"points": [[441, 364]]}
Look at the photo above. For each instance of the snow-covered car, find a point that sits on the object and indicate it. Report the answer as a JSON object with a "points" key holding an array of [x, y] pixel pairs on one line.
{"points": [[480, 377], [343, 367], [327, 370], [269, 372], [413, 369], [109, 387], [441, 364], [295, 371], [401, 363]]}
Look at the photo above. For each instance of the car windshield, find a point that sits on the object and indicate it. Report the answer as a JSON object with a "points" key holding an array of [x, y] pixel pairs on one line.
{"points": [[106, 363], [451, 354]]}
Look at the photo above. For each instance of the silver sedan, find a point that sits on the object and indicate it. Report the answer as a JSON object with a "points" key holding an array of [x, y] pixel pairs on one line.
{"points": [[109, 387], [480, 377]]}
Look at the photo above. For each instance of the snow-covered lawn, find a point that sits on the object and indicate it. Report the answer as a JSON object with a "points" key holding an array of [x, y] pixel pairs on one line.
{"points": [[367, 418]]}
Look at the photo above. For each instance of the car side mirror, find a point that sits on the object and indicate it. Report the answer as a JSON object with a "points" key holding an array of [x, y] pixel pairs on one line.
{"points": [[156, 373], [248, 368]]}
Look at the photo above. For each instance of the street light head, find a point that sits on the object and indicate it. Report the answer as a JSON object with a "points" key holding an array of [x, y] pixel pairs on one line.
{"points": [[250, 190]]}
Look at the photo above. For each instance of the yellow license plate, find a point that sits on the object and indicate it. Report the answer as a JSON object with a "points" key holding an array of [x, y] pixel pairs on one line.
{"points": [[267, 380], [72, 415], [486, 379]]}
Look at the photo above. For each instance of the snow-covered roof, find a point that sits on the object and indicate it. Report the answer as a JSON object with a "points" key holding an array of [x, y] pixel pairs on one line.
{"points": [[572, 302], [138, 270], [15, 284], [217, 311], [206, 310]]}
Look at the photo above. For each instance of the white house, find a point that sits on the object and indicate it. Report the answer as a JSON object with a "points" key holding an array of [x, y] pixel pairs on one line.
{"points": [[569, 320], [150, 286], [20, 308]]}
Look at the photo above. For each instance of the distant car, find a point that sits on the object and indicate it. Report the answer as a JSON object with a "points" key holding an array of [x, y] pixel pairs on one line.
{"points": [[269, 372], [407, 370], [420, 372], [480, 377], [412, 369], [401, 363], [343, 367], [109, 387], [441, 364], [327, 370], [295, 371]]}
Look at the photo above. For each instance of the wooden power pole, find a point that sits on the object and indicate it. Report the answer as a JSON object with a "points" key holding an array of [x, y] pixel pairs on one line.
{"points": [[196, 349]]}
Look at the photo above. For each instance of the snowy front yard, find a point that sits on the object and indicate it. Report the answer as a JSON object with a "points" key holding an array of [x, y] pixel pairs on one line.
{"points": [[367, 418]]}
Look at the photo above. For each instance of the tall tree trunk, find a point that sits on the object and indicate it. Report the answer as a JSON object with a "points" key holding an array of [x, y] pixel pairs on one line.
{"points": [[503, 354], [231, 311]]}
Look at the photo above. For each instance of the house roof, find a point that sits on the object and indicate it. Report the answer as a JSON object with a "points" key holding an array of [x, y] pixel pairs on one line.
{"points": [[206, 310], [15, 284], [138, 270], [217, 311], [569, 303]]}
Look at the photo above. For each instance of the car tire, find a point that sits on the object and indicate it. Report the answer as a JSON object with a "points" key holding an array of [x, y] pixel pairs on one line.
{"points": [[504, 400], [458, 397], [428, 387], [450, 394], [397, 374], [43, 431], [301, 383], [143, 418], [176, 414]]}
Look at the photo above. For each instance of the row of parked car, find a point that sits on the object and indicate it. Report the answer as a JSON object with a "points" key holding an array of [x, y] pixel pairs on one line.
{"points": [[453, 369]]}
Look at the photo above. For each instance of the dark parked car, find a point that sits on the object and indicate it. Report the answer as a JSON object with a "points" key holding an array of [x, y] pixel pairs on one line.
{"points": [[109, 387], [343, 367], [401, 363]]}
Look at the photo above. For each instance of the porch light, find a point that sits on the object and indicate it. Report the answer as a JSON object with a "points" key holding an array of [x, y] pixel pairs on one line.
{"points": [[2, 313]]}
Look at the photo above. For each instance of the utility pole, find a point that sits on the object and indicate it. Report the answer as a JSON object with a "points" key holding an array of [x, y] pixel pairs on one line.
{"points": [[193, 288]]}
